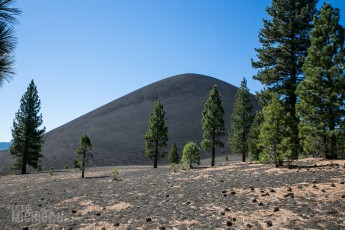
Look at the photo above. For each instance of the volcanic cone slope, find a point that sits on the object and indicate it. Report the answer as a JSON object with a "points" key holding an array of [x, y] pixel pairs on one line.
{"points": [[117, 129]]}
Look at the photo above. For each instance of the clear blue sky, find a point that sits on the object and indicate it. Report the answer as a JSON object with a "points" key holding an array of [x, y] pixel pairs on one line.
{"points": [[83, 54]]}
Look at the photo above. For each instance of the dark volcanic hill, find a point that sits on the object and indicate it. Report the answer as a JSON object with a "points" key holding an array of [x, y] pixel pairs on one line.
{"points": [[117, 128]]}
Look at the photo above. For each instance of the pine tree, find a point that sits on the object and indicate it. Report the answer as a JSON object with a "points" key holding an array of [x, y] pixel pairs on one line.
{"points": [[274, 133], [241, 119], [285, 42], [156, 136], [28, 137], [253, 137], [173, 155], [190, 154], [322, 93], [213, 123], [84, 149], [7, 39]]}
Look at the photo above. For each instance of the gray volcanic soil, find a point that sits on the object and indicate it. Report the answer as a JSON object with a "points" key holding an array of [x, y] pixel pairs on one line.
{"points": [[232, 195], [117, 129]]}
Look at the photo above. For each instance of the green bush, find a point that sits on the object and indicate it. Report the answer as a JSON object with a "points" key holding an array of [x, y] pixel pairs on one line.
{"points": [[191, 154], [115, 172], [52, 171], [76, 164]]}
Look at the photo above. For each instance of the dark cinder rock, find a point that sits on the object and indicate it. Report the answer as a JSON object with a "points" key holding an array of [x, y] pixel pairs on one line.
{"points": [[269, 223]]}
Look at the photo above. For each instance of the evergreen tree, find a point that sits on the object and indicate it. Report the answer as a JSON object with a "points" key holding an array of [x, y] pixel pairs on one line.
{"points": [[322, 93], [84, 149], [274, 133], [190, 154], [173, 154], [213, 123], [241, 119], [28, 137], [253, 137], [285, 42], [157, 134], [7, 39]]}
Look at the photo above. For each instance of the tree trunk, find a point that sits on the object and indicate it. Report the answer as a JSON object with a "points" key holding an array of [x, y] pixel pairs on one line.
{"points": [[213, 148], [213, 155], [244, 156], [333, 152], [83, 169], [24, 163], [156, 156]]}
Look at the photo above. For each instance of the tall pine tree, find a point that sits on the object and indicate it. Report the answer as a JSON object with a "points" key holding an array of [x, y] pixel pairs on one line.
{"points": [[322, 93], [213, 122], [156, 136], [28, 136], [285, 42], [84, 148], [241, 119], [253, 137], [173, 155], [274, 133]]}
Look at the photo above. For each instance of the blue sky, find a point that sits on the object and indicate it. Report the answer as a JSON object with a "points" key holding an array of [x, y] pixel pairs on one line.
{"points": [[83, 54]]}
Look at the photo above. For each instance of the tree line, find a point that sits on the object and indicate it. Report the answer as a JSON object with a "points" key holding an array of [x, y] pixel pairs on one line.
{"points": [[301, 65]]}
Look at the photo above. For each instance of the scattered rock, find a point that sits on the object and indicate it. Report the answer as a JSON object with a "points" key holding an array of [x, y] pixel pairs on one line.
{"points": [[224, 195], [265, 194], [162, 228], [249, 226], [275, 209], [228, 223], [233, 193], [224, 191], [148, 219], [226, 209], [314, 181], [98, 214], [116, 224], [261, 204], [188, 203], [269, 223], [299, 186], [289, 194], [221, 181], [222, 213], [234, 219], [314, 186], [322, 190], [272, 190], [74, 211], [342, 182], [333, 185], [289, 189], [254, 200], [342, 196], [25, 228]]}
